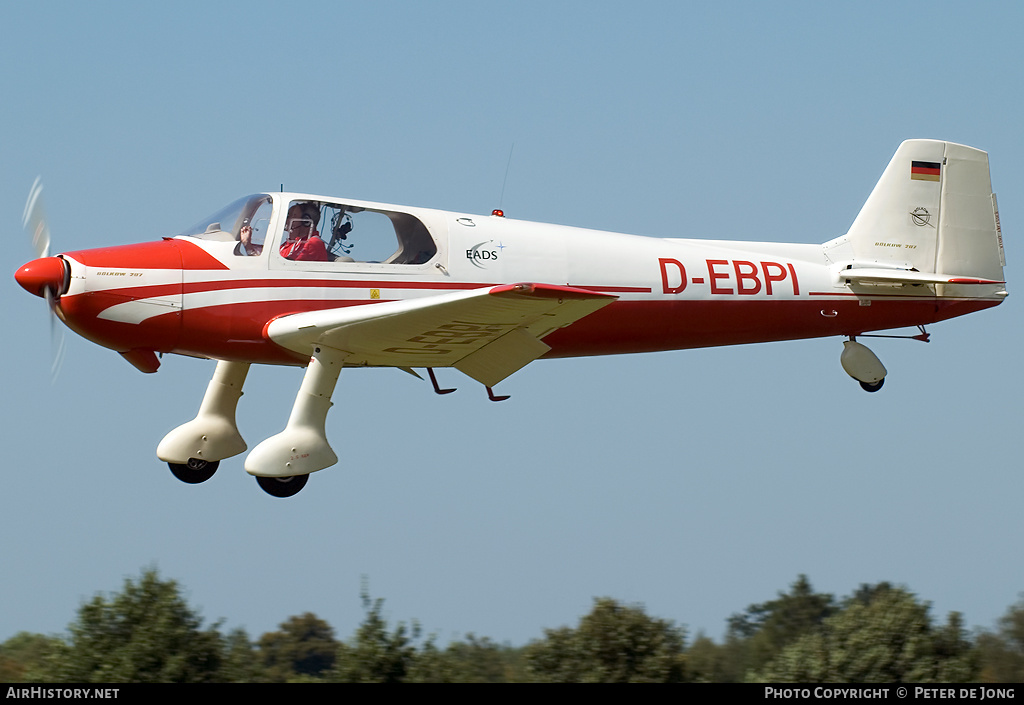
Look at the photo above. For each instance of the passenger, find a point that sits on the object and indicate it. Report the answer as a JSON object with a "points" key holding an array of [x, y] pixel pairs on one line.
{"points": [[246, 246]]}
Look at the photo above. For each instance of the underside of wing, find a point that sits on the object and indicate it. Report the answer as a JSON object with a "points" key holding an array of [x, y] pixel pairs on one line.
{"points": [[486, 333]]}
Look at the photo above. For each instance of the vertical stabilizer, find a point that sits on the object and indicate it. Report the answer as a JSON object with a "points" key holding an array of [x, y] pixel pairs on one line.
{"points": [[933, 210]]}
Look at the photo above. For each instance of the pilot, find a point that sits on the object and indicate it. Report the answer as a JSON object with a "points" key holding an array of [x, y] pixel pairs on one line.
{"points": [[303, 241]]}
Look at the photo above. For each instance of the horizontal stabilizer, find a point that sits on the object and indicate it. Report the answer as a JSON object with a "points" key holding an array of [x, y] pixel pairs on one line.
{"points": [[908, 276], [487, 333]]}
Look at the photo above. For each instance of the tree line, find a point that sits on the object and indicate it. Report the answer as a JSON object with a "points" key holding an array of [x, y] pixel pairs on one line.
{"points": [[880, 633]]}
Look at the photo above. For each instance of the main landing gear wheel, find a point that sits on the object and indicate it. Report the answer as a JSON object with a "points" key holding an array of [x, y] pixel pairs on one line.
{"points": [[195, 470], [872, 387], [282, 486]]}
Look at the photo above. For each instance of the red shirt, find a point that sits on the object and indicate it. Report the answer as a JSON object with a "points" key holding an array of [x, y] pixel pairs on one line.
{"points": [[312, 249]]}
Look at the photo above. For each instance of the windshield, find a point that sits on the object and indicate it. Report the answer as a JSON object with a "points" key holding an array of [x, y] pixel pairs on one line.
{"points": [[226, 223]]}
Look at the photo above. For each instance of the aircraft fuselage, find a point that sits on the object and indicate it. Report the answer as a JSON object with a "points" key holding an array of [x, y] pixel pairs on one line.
{"points": [[197, 297]]}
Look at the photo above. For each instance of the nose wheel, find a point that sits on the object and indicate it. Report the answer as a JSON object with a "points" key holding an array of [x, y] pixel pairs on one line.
{"points": [[282, 486], [194, 471]]}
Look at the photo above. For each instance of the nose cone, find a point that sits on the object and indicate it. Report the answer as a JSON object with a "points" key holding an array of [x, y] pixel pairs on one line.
{"points": [[41, 274]]}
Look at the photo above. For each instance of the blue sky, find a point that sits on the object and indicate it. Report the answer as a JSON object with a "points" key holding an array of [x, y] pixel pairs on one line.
{"points": [[694, 482]]}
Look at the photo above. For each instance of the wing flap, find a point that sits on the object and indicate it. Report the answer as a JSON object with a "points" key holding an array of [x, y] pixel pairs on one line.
{"points": [[496, 361], [487, 333]]}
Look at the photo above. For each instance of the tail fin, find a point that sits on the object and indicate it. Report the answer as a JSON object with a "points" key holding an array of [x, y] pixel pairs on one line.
{"points": [[932, 212]]}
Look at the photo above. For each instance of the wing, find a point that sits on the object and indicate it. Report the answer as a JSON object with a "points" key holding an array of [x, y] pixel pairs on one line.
{"points": [[486, 333]]}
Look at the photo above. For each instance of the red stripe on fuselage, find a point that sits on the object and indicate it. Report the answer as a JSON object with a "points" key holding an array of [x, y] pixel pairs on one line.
{"points": [[304, 283], [615, 289], [147, 291], [164, 254]]}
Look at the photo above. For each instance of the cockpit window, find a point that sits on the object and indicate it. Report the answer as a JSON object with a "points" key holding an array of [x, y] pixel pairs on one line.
{"points": [[227, 223], [354, 234]]}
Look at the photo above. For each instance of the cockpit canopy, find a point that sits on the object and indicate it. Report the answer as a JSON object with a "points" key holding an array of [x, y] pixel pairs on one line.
{"points": [[349, 232]]}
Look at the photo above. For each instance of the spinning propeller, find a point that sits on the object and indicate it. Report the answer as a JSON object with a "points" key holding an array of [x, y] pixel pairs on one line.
{"points": [[48, 277]]}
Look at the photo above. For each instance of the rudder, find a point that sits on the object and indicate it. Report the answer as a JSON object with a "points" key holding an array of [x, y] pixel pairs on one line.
{"points": [[970, 239]]}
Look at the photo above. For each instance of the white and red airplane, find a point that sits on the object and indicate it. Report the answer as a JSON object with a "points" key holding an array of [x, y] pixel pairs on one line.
{"points": [[299, 279]]}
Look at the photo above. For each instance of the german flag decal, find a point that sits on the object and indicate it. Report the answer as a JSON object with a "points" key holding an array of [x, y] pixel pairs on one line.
{"points": [[925, 171]]}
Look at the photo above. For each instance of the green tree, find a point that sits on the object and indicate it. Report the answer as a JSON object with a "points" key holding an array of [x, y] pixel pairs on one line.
{"points": [[480, 660], [612, 644], [144, 634], [302, 646], [241, 661], [430, 664], [375, 654], [24, 653], [1002, 653], [475, 660], [708, 662], [759, 634], [881, 635]]}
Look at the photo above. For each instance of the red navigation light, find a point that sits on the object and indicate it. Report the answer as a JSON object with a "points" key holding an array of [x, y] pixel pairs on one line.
{"points": [[498, 212]]}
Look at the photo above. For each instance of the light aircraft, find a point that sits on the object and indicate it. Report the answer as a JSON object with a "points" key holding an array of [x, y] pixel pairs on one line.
{"points": [[395, 286]]}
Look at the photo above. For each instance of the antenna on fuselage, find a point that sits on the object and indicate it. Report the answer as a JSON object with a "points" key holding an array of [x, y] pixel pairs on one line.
{"points": [[499, 211]]}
